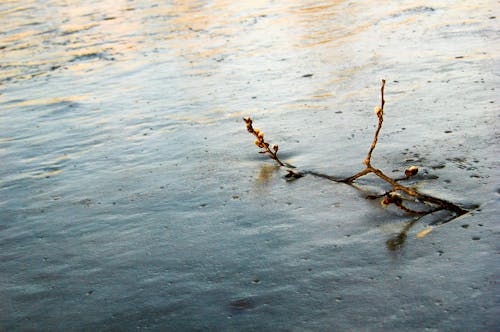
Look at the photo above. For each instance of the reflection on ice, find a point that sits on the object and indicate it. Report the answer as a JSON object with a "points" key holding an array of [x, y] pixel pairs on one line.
{"points": [[266, 172]]}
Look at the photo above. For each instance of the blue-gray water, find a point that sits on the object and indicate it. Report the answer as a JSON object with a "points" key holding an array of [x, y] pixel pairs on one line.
{"points": [[132, 198]]}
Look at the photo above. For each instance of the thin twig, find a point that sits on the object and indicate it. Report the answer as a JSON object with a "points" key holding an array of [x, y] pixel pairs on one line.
{"points": [[380, 114], [261, 143]]}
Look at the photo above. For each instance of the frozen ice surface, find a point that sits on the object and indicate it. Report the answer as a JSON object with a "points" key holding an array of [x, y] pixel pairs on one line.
{"points": [[132, 198]]}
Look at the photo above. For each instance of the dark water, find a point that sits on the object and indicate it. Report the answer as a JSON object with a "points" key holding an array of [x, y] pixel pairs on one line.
{"points": [[131, 197]]}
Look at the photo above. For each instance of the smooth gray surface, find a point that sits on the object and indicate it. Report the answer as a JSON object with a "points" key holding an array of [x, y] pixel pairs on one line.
{"points": [[132, 198]]}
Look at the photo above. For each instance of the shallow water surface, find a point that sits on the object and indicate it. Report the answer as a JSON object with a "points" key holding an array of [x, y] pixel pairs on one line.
{"points": [[132, 198]]}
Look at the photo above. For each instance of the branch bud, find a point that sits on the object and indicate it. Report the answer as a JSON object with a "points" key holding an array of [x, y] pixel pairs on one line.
{"points": [[379, 111], [259, 143], [411, 171], [391, 198], [385, 202]]}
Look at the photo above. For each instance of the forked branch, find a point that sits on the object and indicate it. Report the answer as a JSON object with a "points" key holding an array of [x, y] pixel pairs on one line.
{"points": [[393, 196]]}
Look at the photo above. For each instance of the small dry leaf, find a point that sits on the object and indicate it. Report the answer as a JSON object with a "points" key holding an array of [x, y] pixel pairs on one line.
{"points": [[424, 232]]}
